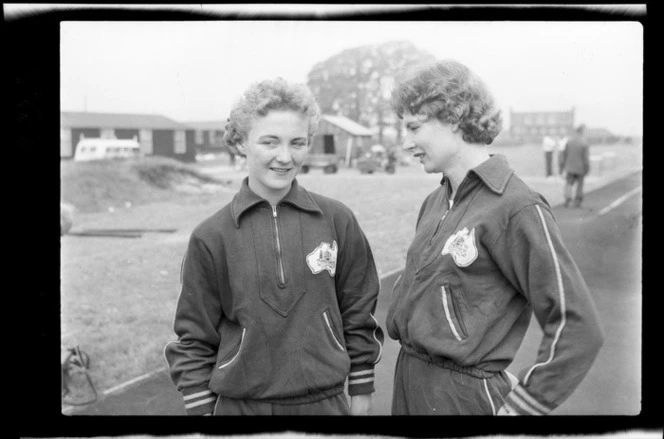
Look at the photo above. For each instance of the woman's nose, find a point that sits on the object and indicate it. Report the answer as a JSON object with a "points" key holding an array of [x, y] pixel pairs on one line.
{"points": [[284, 154], [408, 144]]}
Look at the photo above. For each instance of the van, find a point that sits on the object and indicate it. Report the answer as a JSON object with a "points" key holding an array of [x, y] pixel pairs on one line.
{"points": [[105, 149]]}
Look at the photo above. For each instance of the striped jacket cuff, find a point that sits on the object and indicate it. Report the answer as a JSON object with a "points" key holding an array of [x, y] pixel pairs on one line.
{"points": [[199, 400], [361, 380], [519, 402]]}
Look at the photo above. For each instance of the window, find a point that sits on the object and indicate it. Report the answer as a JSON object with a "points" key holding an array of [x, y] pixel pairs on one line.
{"points": [[107, 133], [198, 137]]}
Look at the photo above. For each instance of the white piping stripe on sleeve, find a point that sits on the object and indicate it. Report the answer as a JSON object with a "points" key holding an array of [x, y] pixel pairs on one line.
{"points": [[201, 402], [380, 346], [196, 395], [561, 293], [361, 381], [529, 399], [362, 372], [486, 388], [518, 401]]}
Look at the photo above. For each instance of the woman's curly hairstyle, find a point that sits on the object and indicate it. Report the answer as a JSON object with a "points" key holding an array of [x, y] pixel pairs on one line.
{"points": [[452, 93], [261, 98]]}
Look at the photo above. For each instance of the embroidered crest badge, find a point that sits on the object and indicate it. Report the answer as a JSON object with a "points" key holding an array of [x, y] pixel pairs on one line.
{"points": [[324, 257], [462, 247]]}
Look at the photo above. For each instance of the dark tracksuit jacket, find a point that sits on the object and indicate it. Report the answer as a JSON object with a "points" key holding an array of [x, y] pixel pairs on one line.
{"points": [[276, 305], [476, 272]]}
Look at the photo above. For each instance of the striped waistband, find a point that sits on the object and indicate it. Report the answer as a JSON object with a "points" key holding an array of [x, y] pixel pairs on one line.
{"points": [[448, 364], [314, 396]]}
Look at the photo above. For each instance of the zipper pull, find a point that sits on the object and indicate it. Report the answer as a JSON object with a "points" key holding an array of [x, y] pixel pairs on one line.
{"points": [[274, 211]]}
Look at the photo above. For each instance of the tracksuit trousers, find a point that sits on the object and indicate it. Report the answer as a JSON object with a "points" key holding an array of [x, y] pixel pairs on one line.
{"points": [[334, 405], [424, 388]]}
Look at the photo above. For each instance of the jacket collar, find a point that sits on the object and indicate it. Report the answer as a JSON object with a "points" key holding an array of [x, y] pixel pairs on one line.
{"points": [[245, 199], [494, 172]]}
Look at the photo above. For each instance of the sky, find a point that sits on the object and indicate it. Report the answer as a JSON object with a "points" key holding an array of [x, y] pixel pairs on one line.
{"points": [[195, 71]]}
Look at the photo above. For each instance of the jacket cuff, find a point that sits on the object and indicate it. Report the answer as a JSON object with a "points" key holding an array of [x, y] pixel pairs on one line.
{"points": [[361, 380], [519, 402], [199, 400]]}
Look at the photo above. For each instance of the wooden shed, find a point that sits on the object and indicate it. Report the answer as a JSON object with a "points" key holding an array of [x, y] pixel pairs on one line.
{"points": [[158, 135], [341, 136], [208, 135]]}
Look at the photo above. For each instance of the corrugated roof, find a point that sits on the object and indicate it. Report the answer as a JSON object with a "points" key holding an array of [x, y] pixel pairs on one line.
{"points": [[74, 119], [348, 125]]}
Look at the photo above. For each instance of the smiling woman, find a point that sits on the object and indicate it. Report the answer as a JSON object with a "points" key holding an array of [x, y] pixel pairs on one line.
{"points": [[279, 287]]}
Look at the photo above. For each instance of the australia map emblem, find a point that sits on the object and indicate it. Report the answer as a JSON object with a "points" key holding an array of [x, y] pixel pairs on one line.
{"points": [[324, 257], [462, 247]]}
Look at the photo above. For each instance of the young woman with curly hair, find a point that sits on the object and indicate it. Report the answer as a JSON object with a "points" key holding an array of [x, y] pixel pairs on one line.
{"points": [[487, 254], [279, 287]]}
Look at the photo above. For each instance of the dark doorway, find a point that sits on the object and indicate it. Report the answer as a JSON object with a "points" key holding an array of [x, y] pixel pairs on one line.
{"points": [[328, 144], [163, 143], [128, 134]]}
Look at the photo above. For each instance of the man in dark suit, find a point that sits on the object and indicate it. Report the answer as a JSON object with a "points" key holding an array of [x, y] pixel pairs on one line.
{"points": [[575, 160]]}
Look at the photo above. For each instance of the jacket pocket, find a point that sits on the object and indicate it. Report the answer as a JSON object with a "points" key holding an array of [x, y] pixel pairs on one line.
{"points": [[232, 354], [331, 330], [452, 313]]}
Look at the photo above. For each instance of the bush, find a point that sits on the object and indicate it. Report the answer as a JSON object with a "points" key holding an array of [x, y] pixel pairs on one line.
{"points": [[162, 172]]}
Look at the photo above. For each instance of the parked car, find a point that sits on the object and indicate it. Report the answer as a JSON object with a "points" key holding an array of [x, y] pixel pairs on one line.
{"points": [[329, 163], [377, 159], [104, 149]]}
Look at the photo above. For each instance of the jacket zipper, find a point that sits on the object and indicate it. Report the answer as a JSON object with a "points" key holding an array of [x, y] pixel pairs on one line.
{"points": [[440, 223], [282, 274]]}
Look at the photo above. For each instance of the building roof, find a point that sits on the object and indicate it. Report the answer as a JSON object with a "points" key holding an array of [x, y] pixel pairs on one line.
{"points": [[207, 125], [75, 119], [598, 132], [348, 125]]}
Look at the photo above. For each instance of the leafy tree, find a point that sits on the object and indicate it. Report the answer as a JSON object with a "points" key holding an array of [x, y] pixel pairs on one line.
{"points": [[357, 82]]}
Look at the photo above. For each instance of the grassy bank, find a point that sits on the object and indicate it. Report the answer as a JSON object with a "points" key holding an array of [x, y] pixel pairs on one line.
{"points": [[102, 184]]}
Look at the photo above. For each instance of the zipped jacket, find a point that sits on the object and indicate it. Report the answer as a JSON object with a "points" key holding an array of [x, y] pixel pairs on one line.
{"points": [[477, 269], [276, 304]]}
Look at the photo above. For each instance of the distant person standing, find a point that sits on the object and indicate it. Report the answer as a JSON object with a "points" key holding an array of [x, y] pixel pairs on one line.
{"points": [[575, 161], [562, 142], [548, 146]]}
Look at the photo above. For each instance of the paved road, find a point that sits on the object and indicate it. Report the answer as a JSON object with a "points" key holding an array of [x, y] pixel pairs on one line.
{"points": [[607, 248]]}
